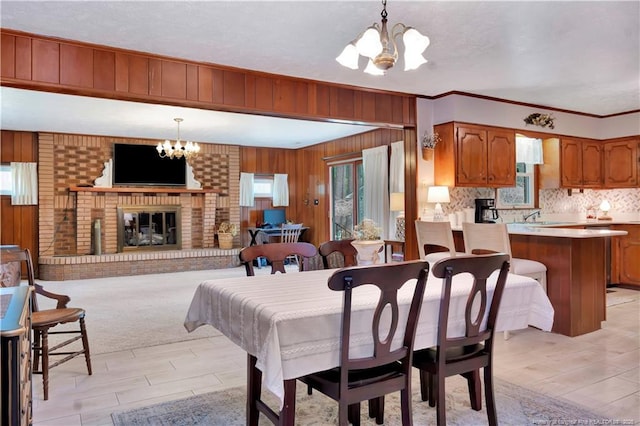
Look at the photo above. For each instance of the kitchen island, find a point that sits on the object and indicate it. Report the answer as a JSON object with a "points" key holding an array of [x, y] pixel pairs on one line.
{"points": [[576, 270]]}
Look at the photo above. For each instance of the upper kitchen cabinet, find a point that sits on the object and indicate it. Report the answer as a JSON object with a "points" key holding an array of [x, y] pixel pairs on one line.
{"points": [[581, 163], [621, 157], [472, 155]]}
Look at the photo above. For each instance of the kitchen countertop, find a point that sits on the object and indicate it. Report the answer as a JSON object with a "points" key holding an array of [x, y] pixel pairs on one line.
{"points": [[554, 229]]}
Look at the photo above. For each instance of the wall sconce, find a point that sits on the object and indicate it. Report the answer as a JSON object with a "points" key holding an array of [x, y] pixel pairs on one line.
{"points": [[438, 194], [396, 204]]}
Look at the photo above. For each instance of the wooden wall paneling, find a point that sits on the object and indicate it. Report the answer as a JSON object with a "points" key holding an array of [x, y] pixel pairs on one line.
{"points": [[155, 77], [205, 84], [174, 79], [192, 82], [19, 224], [139, 75], [7, 56], [410, 192], [263, 93], [323, 100], [104, 70], [234, 88], [46, 61], [76, 65], [121, 72], [24, 61], [138, 70], [368, 105]]}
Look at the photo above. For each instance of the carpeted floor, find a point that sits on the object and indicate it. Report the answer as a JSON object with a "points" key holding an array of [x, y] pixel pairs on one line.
{"points": [[515, 406]]}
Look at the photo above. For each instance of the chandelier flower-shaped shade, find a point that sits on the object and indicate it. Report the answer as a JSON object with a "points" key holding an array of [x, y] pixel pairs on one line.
{"points": [[374, 43], [349, 57]]}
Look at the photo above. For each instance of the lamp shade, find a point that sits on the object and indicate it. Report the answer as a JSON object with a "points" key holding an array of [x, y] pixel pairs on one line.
{"points": [[397, 202], [438, 194], [605, 206]]}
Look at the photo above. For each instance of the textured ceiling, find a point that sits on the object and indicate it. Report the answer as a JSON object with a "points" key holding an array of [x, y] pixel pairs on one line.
{"points": [[577, 56]]}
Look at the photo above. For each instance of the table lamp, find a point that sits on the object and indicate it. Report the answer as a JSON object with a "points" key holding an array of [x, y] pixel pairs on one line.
{"points": [[438, 194], [605, 207], [396, 204]]}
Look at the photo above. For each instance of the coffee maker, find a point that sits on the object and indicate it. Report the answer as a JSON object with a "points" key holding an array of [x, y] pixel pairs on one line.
{"points": [[486, 210]]}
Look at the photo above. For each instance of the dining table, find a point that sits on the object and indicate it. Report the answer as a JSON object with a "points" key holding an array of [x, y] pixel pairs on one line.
{"points": [[289, 324]]}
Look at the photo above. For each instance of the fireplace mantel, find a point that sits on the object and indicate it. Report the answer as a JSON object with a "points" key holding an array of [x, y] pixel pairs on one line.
{"points": [[148, 189]]}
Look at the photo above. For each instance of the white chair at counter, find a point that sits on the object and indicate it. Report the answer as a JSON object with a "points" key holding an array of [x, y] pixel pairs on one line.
{"points": [[495, 237], [435, 234]]}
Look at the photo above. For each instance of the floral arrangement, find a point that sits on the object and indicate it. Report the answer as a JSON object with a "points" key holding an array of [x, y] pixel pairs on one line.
{"points": [[367, 230], [228, 228], [542, 120], [430, 141]]}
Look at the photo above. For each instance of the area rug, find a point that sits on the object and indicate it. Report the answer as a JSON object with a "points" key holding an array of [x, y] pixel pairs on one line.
{"points": [[515, 406]]}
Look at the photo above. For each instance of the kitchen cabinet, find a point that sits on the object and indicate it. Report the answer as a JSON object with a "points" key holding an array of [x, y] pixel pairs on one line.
{"points": [[15, 347], [621, 159], [581, 163], [475, 156], [625, 252]]}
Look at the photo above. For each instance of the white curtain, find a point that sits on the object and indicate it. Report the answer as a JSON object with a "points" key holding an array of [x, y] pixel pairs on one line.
{"points": [[246, 189], [280, 190], [528, 150], [376, 187], [396, 180], [24, 181]]}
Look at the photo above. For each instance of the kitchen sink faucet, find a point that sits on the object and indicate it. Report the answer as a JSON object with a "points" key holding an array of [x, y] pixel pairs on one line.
{"points": [[527, 216]]}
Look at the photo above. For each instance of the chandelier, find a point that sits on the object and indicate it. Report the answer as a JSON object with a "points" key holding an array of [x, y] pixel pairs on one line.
{"points": [[188, 150], [382, 51]]}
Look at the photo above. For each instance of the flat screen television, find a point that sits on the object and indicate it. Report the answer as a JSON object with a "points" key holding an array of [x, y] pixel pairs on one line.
{"points": [[141, 165], [274, 217]]}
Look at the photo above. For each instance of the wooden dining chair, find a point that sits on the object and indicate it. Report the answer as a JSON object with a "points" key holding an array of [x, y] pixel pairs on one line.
{"points": [[276, 254], [42, 321], [338, 254], [386, 369], [464, 353], [435, 241]]}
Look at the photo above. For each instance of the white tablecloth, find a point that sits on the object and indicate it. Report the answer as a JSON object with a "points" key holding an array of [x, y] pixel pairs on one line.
{"points": [[291, 322]]}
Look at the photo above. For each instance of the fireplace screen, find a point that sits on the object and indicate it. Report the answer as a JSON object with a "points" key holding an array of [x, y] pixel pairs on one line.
{"points": [[145, 227]]}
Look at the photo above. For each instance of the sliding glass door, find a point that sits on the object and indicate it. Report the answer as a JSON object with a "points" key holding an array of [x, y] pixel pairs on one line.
{"points": [[347, 181]]}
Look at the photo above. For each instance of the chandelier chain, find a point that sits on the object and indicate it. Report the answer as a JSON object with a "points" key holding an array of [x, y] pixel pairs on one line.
{"points": [[384, 10]]}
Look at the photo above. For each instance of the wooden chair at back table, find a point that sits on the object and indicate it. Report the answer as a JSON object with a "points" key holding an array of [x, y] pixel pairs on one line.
{"points": [[290, 233], [11, 262], [338, 253], [277, 253], [467, 354], [385, 370]]}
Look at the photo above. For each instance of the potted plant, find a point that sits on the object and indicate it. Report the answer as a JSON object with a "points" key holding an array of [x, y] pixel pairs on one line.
{"points": [[226, 232], [429, 143], [367, 242]]}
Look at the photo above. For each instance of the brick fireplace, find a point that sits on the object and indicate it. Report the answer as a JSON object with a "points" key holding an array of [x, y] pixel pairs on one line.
{"points": [[69, 206]]}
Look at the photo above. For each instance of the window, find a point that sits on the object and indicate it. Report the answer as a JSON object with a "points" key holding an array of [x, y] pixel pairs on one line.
{"points": [[5, 179], [523, 194], [347, 207], [263, 186]]}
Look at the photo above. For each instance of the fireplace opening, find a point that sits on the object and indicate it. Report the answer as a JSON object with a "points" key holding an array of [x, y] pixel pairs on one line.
{"points": [[149, 228]]}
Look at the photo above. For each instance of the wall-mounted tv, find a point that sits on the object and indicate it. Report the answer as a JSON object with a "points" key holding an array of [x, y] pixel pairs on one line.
{"points": [[274, 217], [141, 165]]}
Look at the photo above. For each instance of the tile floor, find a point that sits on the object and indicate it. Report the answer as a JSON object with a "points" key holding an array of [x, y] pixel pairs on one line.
{"points": [[599, 370]]}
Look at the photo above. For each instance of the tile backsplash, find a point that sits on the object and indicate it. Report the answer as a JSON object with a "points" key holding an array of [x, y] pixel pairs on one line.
{"points": [[556, 202]]}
